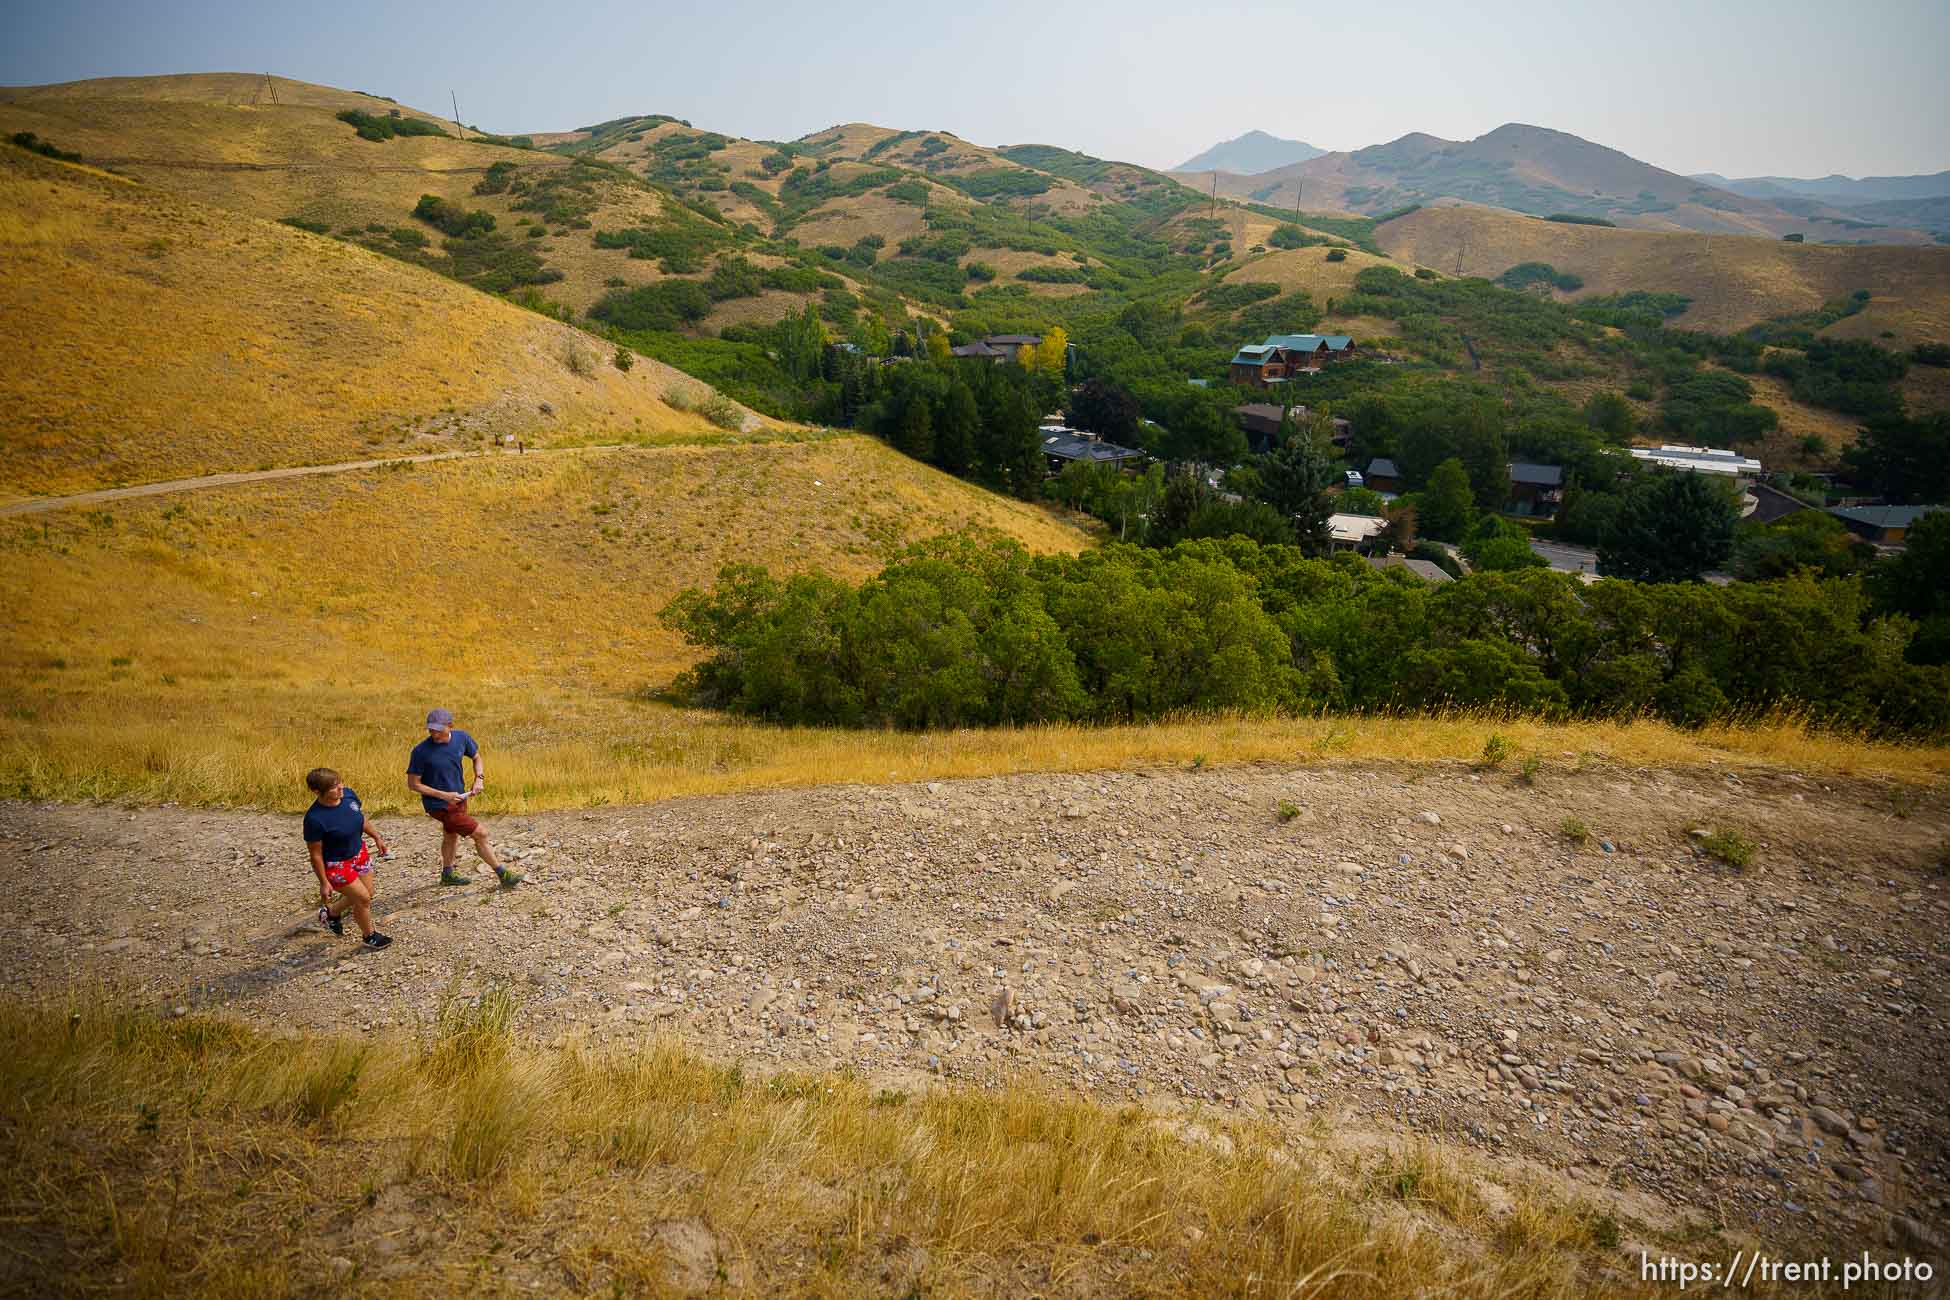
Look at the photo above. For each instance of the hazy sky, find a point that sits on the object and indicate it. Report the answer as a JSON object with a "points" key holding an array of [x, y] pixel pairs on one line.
{"points": [[1743, 87]]}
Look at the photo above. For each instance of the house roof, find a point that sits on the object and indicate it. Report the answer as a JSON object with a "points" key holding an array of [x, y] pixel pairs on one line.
{"points": [[1704, 460], [1354, 528], [976, 350], [1019, 340], [1253, 354], [1308, 342], [1540, 475], [1382, 467], [1884, 516], [1427, 570], [1770, 503], [1067, 446]]}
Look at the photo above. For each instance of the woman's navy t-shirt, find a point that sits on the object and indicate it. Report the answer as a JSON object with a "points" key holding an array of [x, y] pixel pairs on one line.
{"points": [[438, 765], [337, 828]]}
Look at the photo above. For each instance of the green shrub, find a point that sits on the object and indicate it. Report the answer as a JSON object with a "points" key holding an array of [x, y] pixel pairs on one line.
{"points": [[666, 305], [1054, 275], [451, 219], [624, 359], [1730, 847], [34, 144], [722, 411], [909, 191], [1573, 219], [1337, 254], [497, 178], [1574, 830], [303, 223], [370, 127]]}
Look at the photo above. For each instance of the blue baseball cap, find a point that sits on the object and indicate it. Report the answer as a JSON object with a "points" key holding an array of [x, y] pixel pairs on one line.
{"points": [[440, 719]]}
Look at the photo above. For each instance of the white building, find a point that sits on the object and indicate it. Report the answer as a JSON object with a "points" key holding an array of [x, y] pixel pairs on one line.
{"points": [[1743, 470]]}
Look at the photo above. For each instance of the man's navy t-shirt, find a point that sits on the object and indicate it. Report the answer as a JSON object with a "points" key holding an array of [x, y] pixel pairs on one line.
{"points": [[439, 766], [337, 828]]}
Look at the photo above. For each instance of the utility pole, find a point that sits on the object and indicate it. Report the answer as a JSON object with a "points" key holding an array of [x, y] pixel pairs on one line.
{"points": [[457, 126]]}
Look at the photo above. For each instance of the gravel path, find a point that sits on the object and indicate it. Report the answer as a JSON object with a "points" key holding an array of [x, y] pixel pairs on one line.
{"points": [[1395, 949]]}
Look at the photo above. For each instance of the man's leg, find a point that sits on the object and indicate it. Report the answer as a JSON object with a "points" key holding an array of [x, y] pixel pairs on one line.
{"points": [[449, 850], [481, 846]]}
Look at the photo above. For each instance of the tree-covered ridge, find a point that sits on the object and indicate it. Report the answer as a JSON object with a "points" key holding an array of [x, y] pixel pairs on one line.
{"points": [[959, 632]]}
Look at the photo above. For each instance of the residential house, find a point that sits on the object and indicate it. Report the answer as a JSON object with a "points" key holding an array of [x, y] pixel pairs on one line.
{"points": [[1770, 503], [980, 351], [1011, 345], [1261, 422], [1349, 532], [1535, 489], [1063, 446], [1883, 525], [1382, 475], [1427, 570], [1743, 470], [1282, 356]]}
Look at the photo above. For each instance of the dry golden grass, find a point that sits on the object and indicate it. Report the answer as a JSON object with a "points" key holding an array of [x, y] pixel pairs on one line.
{"points": [[1308, 270], [851, 220], [1734, 280], [150, 337], [208, 647], [154, 1156], [294, 159]]}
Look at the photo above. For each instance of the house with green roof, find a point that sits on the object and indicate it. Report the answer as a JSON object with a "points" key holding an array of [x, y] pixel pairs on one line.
{"points": [[1282, 356]]}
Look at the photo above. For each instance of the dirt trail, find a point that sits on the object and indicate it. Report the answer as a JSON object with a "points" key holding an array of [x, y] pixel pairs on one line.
{"points": [[102, 495], [1406, 949]]}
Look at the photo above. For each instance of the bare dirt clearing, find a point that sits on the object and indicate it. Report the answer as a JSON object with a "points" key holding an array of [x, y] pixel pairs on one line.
{"points": [[1414, 949]]}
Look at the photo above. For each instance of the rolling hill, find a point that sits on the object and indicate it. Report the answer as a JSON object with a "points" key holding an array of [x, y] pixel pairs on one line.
{"points": [[1733, 281], [1538, 171], [152, 336], [1250, 154]]}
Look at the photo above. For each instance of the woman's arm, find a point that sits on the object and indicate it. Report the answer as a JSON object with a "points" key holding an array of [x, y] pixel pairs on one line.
{"points": [[317, 850], [370, 829]]}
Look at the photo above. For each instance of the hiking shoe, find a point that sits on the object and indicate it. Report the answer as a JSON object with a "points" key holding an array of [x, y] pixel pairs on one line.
{"points": [[336, 924], [452, 877], [375, 941], [509, 879]]}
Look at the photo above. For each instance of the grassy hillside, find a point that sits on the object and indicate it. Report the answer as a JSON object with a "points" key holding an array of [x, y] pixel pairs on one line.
{"points": [[1734, 281], [153, 337], [526, 589]]}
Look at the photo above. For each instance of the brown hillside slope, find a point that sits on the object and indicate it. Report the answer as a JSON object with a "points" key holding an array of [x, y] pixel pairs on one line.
{"points": [[192, 136], [1734, 280], [1536, 170], [151, 337]]}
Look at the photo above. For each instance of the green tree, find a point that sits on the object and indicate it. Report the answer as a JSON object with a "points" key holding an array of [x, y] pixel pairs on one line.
{"points": [[915, 432], [1905, 460], [1916, 584], [957, 429], [1447, 508], [1610, 414], [1294, 479], [1670, 528]]}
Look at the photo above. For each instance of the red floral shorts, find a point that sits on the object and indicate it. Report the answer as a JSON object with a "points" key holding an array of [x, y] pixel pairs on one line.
{"points": [[341, 874]]}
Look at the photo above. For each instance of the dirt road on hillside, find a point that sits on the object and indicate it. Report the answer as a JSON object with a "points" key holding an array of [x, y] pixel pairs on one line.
{"points": [[1408, 949]]}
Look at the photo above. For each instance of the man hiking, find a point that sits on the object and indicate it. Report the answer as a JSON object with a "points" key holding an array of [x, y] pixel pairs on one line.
{"points": [[434, 772], [335, 837]]}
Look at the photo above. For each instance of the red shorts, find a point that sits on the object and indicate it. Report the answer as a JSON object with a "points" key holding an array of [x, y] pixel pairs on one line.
{"points": [[454, 819], [341, 874]]}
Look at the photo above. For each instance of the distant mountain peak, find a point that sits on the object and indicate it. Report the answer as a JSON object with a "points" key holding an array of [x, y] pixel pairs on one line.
{"points": [[1250, 154]]}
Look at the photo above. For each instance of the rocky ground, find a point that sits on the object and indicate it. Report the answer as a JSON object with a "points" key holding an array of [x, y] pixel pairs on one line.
{"points": [[1426, 949]]}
